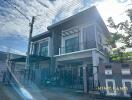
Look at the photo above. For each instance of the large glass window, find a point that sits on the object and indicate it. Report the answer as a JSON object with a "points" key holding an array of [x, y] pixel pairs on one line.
{"points": [[89, 37], [71, 44], [44, 48]]}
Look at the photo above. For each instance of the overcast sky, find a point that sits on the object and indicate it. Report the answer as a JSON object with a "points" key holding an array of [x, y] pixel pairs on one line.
{"points": [[14, 28]]}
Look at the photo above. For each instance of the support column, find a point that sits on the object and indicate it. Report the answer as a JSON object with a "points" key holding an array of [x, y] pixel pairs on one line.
{"points": [[95, 60], [84, 79]]}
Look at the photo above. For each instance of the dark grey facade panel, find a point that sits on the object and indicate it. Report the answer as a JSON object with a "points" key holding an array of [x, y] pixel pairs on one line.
{"points": [[41, 36]]}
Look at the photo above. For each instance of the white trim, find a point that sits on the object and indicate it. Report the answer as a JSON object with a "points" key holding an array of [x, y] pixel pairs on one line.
{"points": [[107, 87], [123, 84], [79, 52], [108, 71], [41, 41], [49, 46], [126, 71], [75, 52], [81, 38], [96, 36]]}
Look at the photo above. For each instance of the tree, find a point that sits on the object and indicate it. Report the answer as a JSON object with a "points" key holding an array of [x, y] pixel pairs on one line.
{"points": [[122, 33]]}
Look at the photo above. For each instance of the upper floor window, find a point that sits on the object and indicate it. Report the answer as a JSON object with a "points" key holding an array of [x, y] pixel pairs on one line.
{"points": [[44, 48], [71, 44], [89, 37]]}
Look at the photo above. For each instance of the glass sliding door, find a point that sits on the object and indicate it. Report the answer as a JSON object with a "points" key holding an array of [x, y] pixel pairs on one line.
{"points": [[44, 48], [71, 45]]}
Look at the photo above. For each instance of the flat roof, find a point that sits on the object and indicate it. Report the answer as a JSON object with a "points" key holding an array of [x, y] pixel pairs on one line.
{"points": [[90, 11]]}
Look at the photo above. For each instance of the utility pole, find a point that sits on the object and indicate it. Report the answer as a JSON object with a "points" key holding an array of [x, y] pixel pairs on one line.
{"points": [[29, 45]]}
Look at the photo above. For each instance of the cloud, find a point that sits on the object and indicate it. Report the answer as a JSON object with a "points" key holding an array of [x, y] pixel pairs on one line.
{"points": [[11, 50], [47, 12], [114, 8]]}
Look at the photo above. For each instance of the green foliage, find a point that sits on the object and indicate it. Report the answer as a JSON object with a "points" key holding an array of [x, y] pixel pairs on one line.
{"points": [[126, 27], [121, 57], [122, 33]]}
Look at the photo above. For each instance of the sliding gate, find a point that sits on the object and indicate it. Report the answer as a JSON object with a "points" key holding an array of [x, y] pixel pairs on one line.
{"points": [[70, 77]]}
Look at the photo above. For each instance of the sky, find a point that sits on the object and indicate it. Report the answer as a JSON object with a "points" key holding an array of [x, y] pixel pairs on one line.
{"points": [[14, 27]]}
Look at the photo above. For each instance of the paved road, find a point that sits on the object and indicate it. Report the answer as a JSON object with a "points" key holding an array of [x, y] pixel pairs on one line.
{"points": [[59, 94], [9, 93]]}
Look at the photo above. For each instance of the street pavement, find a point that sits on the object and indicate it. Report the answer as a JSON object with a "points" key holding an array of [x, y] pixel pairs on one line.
{"points": [[50, 93], [8, 93]]}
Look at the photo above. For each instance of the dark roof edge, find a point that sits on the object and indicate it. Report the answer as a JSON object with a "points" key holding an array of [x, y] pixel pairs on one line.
{"points": [[71, 17], [44, 34]]}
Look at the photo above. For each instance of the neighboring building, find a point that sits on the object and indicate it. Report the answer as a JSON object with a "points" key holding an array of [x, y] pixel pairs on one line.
{"points": [[4, 57], [40, 56], [116, 77], [74, 47]]}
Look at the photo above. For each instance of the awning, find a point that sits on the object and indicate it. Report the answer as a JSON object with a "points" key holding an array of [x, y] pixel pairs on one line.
{"points": [[32, 58]]}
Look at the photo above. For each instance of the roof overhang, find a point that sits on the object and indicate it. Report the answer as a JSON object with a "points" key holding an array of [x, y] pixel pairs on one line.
{"points": [[41, 36], [91, 14], [32, 58]]}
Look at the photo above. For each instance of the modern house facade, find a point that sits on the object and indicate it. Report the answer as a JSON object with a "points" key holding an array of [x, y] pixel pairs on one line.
{"points": [[74, 47]]}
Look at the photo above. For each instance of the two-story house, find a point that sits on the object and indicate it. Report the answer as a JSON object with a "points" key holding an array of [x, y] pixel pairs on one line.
{"points": [[75, 46], [40, 54], [39, 68]]}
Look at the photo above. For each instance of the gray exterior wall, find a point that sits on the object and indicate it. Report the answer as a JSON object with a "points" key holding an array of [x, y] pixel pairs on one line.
{"points": [[85, 18], [56, 31]]}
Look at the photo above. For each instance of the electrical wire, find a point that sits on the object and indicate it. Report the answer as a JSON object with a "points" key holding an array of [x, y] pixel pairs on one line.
{"points": [[17, 10]]}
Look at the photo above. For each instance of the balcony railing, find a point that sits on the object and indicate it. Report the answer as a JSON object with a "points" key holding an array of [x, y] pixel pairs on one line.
{"points": [[78, 47], [100, 47]]}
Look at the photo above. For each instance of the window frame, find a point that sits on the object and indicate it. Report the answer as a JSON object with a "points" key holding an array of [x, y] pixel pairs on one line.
{"points": [[123, 85], [70, 50], [114, 87]]}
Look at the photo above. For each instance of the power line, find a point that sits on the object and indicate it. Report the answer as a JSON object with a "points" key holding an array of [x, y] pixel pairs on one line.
{"points": [[17, 10]]}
